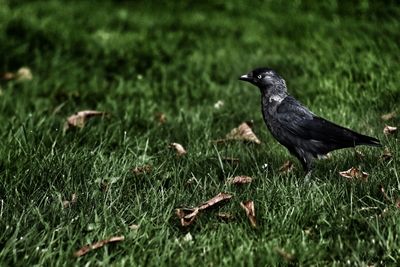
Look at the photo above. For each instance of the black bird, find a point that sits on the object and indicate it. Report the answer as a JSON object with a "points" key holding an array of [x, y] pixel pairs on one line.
{"points": [[303, 133]]}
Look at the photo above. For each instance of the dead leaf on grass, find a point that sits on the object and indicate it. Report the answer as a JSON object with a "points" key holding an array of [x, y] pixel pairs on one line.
{"points": [[389, 130], [240, 180], [354, 174], [180, 151], [287, 167], [85, 249], [388, 116], [248, 207], [386, 155], [142, 169], [242, 133], [69, 203], [188, 215], [80, 118]]}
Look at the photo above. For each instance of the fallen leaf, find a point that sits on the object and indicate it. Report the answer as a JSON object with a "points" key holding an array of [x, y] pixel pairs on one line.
{"points": [[84, 250], [133, 226], [24, 74], [388, 116], [142, 169], [248, 207], [285, 255], [187, 216], [242, 133], [211, 202], [69, 203], [160, 117], [354, 173], [287, 167], [79, 119], [389, 130], [180, 151], [386, 155], [225, 216], [219, 104], [239, 180]]}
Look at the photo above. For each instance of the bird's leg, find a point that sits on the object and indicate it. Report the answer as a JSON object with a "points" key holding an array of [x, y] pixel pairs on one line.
{"points": [[307, 178], [308, 167]]}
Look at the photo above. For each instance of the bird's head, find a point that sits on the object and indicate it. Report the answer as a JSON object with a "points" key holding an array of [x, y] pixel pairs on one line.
{"points": [[264, 78]]}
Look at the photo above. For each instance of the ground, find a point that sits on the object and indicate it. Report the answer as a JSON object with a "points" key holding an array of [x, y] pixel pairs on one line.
{"points": [[136, 60]]}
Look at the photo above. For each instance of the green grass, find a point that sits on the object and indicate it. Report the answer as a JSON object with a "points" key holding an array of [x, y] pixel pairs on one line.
{"points": [[134, 60]]}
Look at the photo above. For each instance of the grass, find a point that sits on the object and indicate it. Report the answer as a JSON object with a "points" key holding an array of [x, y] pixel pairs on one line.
{"points": [[133, 60]]}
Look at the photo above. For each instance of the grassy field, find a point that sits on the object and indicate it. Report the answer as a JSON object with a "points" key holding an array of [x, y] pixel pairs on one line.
{"points": [[134, 60]]}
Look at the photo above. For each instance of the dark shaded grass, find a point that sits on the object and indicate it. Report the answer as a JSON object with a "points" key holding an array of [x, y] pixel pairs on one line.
{"points": [[135, 59]]}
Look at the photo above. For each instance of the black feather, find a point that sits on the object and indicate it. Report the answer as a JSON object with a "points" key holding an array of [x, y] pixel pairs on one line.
{"points": [[304, 134]]}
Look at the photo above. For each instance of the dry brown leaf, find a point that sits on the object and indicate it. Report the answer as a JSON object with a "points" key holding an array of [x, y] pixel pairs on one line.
{"points": [[386, 155], [215, 200], [388, 116], [160, 117], [240, 180], [248, 207], [389, 130], [79, 119], [187, 216], [287, 167], [225, 216], [354, 174], [180, 151], [69, 203], [84, 250], [142, 169], [243, 133], [285, 255]]}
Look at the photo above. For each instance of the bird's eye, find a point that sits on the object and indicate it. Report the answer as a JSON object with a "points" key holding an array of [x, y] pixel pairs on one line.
{"points": [[259, 76]]}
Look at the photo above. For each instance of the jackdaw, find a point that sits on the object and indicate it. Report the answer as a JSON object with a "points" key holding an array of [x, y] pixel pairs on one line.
{"points": [[303, 133]]}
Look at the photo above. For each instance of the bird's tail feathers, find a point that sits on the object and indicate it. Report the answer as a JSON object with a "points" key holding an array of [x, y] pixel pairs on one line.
{"points": [[367, 140]]}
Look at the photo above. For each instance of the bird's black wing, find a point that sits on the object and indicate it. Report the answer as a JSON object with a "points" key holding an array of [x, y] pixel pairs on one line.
{"points": [[321, 134]]}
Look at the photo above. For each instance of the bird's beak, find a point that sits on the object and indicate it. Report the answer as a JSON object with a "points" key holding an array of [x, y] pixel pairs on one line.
{"points": [[245, 77]]}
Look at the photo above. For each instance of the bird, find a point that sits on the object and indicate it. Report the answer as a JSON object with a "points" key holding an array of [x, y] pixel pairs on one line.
{"points": [[306, 135]]}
